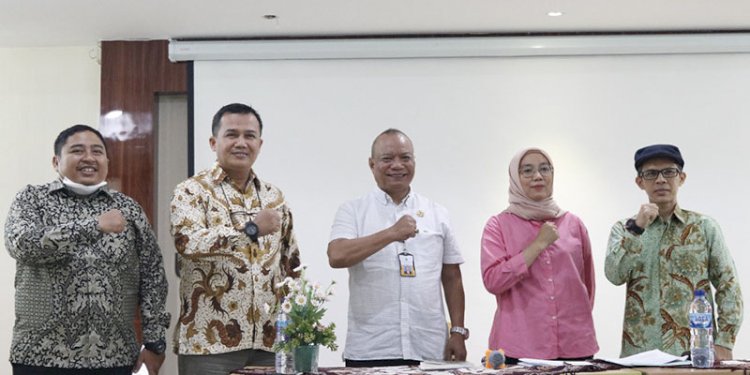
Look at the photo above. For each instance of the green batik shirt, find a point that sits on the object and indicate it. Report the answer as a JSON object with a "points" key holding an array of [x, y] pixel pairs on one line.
{"points": [[662, 267]]}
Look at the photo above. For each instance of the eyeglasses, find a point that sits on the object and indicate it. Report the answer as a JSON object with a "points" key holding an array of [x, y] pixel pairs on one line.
{"points": [[529, 171], [653, 174]]}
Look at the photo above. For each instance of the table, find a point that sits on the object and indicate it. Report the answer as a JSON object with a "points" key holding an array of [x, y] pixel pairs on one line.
{"points": [[682, 371], [737, 367], [405, 370]]}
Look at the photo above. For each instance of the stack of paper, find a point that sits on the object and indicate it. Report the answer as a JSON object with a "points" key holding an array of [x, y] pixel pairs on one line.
{"points": [[651, 358], [444, 365], [546, 362]]}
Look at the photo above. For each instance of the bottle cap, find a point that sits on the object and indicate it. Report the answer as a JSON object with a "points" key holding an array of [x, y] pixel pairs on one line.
{"points": [[700, 293]]}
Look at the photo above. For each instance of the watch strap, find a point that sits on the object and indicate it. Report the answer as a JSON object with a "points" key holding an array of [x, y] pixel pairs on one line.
{"points": [[632, 227], [461, 331], [156, 347]]}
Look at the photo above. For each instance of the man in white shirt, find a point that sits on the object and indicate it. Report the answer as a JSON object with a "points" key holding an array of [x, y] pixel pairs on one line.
{"points": [[399, 249]]}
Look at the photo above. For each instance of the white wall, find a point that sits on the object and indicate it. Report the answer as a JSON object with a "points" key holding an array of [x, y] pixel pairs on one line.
{"points": [[42, 92], [466, 122], [467, 117], [171, 169]]}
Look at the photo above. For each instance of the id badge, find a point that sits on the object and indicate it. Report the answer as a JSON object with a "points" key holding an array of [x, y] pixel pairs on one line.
{"points": [[406, 265]]}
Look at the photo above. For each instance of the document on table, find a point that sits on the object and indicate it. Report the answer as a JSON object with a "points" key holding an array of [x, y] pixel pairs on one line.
{"points": [[650, 358], [444, 365]]}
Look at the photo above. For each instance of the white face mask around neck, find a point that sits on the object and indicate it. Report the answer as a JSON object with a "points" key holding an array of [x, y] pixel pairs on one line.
{"points": [[81, 189]]}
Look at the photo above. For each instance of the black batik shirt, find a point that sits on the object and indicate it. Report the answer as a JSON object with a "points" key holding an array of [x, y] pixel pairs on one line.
{"points": [[78, 289]]}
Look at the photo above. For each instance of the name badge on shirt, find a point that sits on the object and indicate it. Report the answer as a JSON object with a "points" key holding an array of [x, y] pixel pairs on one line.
{"points": [[406, 264]]}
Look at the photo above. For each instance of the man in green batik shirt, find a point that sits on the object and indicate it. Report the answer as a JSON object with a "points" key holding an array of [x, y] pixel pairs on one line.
{"points": [[664, 253]]}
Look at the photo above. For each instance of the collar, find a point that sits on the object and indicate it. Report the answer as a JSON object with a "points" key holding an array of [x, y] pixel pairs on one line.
{"points": [[385, 199], [56, 185], [219, 175], [679, 214]]}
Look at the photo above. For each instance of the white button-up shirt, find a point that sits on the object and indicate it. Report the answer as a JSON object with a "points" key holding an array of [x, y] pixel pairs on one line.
{"points": [[394, 317]]}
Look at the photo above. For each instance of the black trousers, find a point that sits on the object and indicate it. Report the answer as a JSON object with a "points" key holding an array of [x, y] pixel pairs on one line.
{"points": [[38, 370]]}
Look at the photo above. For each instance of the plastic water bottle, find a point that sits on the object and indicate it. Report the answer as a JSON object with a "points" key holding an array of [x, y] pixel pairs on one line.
{"points": [[701, 331], [284, 359]]}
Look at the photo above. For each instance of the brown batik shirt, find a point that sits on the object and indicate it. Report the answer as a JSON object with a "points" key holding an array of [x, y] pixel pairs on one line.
{"points": [[225, 278]]}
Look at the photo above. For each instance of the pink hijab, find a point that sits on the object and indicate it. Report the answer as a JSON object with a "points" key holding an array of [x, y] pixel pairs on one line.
{"points": [[522, 205]]}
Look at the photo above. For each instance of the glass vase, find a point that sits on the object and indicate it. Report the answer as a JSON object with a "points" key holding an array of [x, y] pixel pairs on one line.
{"points": [[306, 358]]}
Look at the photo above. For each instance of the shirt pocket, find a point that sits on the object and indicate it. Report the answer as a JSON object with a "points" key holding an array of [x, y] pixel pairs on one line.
{"points": [[427, 248], [691, 259]]}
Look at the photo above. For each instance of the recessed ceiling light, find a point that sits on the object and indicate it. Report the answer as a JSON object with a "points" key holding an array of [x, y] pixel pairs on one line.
{"points": [[270, 16], [554, 14]]}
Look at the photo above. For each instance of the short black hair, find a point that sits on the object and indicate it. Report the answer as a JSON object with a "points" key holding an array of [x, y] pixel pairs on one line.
{"points": [[237, 108], [67, 133]]}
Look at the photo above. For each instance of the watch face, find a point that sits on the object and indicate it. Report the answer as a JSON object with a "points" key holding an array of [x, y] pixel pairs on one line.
{"points": [[251, 229], [157, 347]]}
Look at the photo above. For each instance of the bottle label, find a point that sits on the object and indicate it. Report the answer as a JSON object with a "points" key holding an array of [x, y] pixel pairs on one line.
{"points": [[700, 320], [280, 327]]}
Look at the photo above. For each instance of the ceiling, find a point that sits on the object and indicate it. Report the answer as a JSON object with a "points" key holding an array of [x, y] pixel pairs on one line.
{"points": [[42, 23]]}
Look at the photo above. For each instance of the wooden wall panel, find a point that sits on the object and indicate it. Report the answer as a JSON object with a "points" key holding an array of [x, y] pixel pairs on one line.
{"points": [[132, 75]]}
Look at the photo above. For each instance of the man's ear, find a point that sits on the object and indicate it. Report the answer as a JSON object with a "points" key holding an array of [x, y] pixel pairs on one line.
{"points": [[212, 143], [639, 182], [55, 162], [370, 162]]}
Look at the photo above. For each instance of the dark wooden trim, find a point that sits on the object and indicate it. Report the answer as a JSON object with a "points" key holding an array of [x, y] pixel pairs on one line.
{"points": [[132, 74]]}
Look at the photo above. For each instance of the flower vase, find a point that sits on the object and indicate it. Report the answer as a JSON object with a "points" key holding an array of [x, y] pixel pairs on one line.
{"points": [[306, 358]]}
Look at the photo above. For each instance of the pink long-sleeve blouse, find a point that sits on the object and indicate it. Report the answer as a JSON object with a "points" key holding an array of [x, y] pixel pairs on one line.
{"points": [[543, 311]]}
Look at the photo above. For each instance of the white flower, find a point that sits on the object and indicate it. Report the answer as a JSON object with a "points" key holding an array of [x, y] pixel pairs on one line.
{"points": [[301, 267], [286, 307], [294, 285], [316, 302], [300, 300]]}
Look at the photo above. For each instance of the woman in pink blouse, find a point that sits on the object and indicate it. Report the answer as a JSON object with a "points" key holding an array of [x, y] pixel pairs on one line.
{"points": [[536, 260]]}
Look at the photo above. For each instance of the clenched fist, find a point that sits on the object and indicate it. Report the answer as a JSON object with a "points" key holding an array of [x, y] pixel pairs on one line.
{"points": [[111, 221], [647, 214], [404, 228], [547, 234], [268, 221]]}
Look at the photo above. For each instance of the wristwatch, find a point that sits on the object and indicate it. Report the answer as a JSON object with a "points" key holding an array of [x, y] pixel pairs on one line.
{"points": [[632, 227], [156, 347], [251, 230], [461, 331]]}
